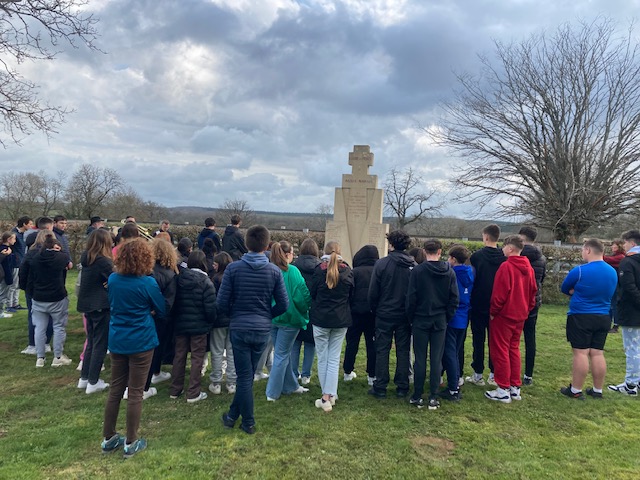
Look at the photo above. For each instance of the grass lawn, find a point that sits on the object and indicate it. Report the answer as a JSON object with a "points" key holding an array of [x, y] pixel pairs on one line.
{"points": [[49, 429]]}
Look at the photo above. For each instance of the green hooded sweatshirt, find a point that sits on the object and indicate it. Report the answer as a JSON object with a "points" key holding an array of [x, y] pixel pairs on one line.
{"points": [[297, 315]]}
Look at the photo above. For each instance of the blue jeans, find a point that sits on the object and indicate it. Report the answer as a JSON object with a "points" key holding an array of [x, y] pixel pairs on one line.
{"points": [[454, 339], [282, 380], [307, 361], [247, 349], [329, 347]]}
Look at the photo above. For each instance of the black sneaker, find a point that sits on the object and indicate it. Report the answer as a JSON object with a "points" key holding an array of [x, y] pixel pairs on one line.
{"points": [[227, 421], [402, 393], [378, 394], [613, 329], [567, 391], [434, 404], [419, 403], [250, 430], [449, 395], [592, 393], [527, 380]]}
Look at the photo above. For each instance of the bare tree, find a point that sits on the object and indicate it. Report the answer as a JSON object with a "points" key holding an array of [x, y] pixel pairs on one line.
{"points": [[32, 30], [550, 132], [323, 214], [239, 207], [27, 193], [407, 197], [89, 187]]}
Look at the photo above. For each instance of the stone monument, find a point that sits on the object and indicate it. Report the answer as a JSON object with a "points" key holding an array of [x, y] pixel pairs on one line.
{"points": [[357, 209]]}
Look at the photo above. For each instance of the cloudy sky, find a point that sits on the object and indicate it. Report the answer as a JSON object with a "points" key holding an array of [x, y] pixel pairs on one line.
{"points": [[197, 101]]}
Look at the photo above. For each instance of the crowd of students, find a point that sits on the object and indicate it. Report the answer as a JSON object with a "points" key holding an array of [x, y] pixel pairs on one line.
{"points": [[150, 304]]}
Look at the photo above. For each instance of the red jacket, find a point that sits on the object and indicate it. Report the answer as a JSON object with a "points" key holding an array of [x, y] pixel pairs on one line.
{"points": [[514, 289], [614, 260]]}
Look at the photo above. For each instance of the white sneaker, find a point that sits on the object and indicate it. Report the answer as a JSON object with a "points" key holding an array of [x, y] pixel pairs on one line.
{"points": [[324, 405], [30, 350], [159, 378], [231, 388], [82, 383], [460, 382], [6, 315], [624, 389], [99, 386], [350, 376], [125, 395], [491, 381], [215, 388], [204, 367], [79, 367], [370, 380], [300, 390], [202, 396], [149, 393], [40, 363], [515, 393], [260, 376], [475, 379], [61, 361], [305, 380], [499, 395], [47, 348], [269, 399]]}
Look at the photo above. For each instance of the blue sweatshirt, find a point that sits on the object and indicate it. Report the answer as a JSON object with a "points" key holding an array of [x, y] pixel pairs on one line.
{"points": [[465, 278], [593, 286], [246, 293], [132, 329]]}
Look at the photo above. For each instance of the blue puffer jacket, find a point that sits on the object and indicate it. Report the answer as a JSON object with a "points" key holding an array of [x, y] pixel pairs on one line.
{"points": [[247, 288], [465, 277]]}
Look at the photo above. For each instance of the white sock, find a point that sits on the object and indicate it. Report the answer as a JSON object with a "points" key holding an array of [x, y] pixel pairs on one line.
{"points": [[597, 390], [575, 390]]}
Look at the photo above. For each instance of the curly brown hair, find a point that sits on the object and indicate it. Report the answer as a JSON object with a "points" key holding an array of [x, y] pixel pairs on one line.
{"points": [[135, 257], [165, 254]]}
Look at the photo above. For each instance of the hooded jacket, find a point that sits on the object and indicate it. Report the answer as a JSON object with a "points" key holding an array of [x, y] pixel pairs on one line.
{"points": [[208, 233], [307, 265], [48, 271], [233, 242], [485, 262], [8, 264], [19, 248], [514, 290], [389, 283], [92, 295], [297, 315], [539, 264], [629, 291], [363, 263], [194, 310], [464, 279], [432, 296], [330, 307], [246, 292]]}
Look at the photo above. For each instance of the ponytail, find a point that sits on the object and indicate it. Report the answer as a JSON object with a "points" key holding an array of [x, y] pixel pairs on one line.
{"points": [[333, 274], [278, 254]]}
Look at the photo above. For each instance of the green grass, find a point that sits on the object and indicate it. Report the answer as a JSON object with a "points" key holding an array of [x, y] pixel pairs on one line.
{"points": [[49, 429]]}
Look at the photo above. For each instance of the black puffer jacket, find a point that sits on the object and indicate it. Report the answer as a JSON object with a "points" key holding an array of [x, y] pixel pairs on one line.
{"points": [[330, 307], [167, 281], [233, 242], [629, 291], [194, 310], [389, 284], [539, 264], [223, 319], [92, 295], [307, 265], [363, 262]]}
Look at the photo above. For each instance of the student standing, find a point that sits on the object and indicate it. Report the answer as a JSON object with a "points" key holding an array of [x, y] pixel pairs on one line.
{"points": [[431, 301], [512, 299]]}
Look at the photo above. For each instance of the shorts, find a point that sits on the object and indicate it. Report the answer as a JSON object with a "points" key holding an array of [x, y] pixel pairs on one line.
{"points": [[588, 330]]}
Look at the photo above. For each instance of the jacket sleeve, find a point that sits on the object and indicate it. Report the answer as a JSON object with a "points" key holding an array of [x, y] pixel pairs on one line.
{"points": [[315, 282], [570, 280], [534, 291], [23, 273], [240, 243], [216, 241], [224, 294], [627, 281], [454, 296], [374, 287], [411, 298], [169, 294], [501, 288], [301, 296], [280, 296], [209, 302], [155, 295]]}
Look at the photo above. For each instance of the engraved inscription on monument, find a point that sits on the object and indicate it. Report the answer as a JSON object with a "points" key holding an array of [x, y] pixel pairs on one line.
{"points": [[357, 211]]}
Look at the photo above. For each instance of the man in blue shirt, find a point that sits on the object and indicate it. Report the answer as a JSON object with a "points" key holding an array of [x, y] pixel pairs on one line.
{"points": [[591, 287]]}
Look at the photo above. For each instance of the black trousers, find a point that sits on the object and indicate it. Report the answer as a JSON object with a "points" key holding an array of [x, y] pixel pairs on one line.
{"points": [[530, 342], [97, 343], [427, 338], [165, 342], [363, 324], [480, 333], [386, 330]]}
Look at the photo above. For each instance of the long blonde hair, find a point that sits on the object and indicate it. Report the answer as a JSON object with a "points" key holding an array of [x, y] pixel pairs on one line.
{"points": [[333, 273]]}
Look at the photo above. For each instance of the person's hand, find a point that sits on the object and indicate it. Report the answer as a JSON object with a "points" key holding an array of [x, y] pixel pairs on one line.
{"points": [[571, 292], [491, 317], [7, 251]]}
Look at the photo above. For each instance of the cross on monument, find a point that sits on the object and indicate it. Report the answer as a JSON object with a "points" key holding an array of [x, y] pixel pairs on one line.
{"points": [[360, 160]]}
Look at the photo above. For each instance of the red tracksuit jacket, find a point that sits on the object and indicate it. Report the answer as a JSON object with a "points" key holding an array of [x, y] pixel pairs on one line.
{"points": [[514, 289]]}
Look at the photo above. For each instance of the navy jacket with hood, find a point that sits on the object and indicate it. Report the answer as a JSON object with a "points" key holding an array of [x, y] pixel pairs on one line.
{"points": [[432, 297], [464, 277], [486, 262], [233, 242], [208, 233], [363, 263], [246, 292], [389, 284]]}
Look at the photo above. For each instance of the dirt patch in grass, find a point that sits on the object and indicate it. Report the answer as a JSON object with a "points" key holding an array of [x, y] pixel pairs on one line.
{"points": [[3, 433], [432, 448], [5, 347]]}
